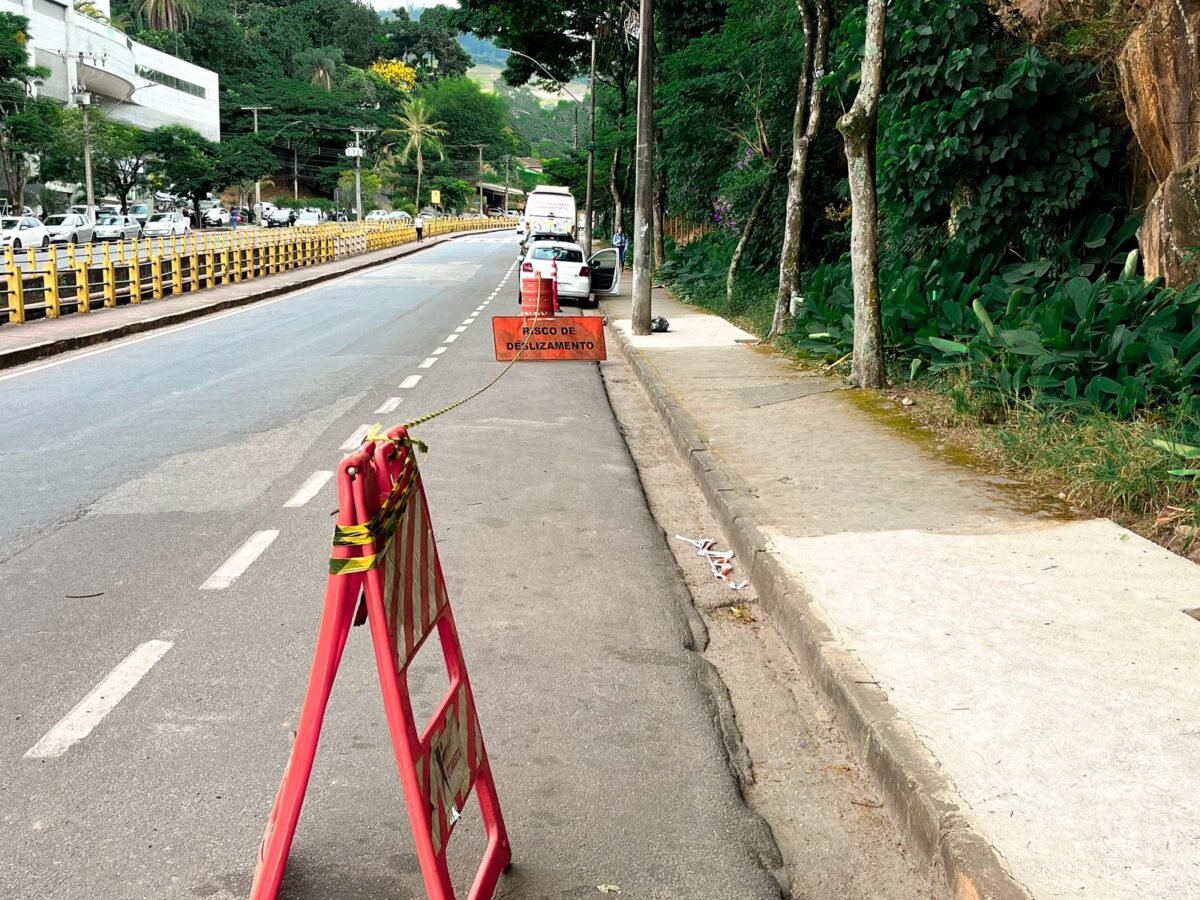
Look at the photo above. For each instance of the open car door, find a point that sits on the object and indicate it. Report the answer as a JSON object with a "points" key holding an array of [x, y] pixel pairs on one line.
{"points": [[606, 273]]}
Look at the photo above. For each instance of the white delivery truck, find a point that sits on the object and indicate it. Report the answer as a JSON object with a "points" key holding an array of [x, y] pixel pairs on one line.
{"points": [[549, 209]]}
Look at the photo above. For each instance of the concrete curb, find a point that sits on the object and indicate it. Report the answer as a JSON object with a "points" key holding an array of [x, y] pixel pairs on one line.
{"points": [[934, 824], [272, 286]]}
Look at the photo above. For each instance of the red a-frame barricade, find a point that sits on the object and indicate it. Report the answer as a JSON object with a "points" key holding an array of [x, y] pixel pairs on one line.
{"points": [[384, 551]]}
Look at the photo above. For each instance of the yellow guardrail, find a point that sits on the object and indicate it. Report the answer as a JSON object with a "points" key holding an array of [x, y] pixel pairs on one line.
{"points": [[96, 275]]}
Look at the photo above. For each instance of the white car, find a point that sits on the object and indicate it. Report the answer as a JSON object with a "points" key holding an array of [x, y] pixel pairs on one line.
{"points": [[218, 215], [579, 281], [399, 215], [116, 227], [165, 224], [309, 217], [376, 215], [70, 228], [23, 231]]}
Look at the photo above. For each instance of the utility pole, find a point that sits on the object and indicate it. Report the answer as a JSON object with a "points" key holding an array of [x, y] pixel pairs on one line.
{"points": [[295, 176], [591, 164], [643, 195], [257, 182], [507, 161], [84, 98], [356, 152]]}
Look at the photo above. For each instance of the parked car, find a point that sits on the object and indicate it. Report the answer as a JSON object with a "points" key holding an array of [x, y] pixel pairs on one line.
{"points": [[309, 218], [162, 224], [20, 232], [216, 215], [399, 215], [565, 258], [281, 218], [116, 227], [140, 211], [376, 215], [70, 228], [536, 236]]}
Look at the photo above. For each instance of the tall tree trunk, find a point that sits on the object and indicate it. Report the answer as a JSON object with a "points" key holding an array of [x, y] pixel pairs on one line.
{"points": [[810, 94], [759, 205], [858, 128], [660, 206], [614, 188]]}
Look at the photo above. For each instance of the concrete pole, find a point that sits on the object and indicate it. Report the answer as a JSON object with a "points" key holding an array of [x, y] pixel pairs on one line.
{"points": [[591, 163], [480, 149], [87, 156], [257, 182], [507, 162], [643, 195]]}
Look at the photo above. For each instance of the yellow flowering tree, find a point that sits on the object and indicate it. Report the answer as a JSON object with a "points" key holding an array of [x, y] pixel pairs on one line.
{"points": [[397, 73]]}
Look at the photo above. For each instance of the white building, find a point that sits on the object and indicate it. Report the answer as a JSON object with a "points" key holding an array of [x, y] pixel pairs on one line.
{"points": [[133, 83]]}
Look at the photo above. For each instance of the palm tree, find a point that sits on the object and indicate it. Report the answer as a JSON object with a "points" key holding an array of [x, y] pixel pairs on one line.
{"points": [[167, 15], [419, 135], [319, 65]]}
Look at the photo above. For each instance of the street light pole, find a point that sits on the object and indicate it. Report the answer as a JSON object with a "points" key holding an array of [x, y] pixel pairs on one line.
{"points": [[357, 153], [643, 212], [257, 181]]}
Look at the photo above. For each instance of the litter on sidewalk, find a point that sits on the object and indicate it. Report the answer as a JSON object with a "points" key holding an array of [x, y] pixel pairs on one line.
{"points": [[720, 562]]}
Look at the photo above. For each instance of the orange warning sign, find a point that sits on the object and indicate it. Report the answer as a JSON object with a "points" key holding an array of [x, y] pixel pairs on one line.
{"points": [[560, 337]]}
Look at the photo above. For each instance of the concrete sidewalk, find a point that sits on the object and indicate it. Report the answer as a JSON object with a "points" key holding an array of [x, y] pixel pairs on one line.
{"points": [[20, 344], [1023, 686]]}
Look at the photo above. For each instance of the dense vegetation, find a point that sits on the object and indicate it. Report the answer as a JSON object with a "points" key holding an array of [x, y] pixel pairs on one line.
{"points": [[1008, 268]]}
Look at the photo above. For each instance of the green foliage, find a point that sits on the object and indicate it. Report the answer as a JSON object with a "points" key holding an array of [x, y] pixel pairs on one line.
{"points": [[982, 140], [471, 116]]}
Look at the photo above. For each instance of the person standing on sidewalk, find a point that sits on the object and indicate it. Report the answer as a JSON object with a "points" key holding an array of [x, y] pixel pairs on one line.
{"points": [[419, 224], [620, 242]]}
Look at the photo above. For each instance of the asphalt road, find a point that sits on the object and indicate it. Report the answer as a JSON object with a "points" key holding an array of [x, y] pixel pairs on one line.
{"points": [[132, 473]]}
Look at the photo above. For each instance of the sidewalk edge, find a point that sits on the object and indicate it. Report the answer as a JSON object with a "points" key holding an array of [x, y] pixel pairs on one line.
{"points": [[307, 278], [921, 799]]}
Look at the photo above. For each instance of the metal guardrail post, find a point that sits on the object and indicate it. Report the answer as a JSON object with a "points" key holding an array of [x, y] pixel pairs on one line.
{"points": [[156, 270], [177, 265], [50, 286], [108, 277], [16, 288], [83, 291]]}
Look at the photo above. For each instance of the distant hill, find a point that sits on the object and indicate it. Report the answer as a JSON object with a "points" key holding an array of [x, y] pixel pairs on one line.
{"points": [[483, 51]]}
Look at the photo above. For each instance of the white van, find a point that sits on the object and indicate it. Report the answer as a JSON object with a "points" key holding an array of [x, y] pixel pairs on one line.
{"points": [[550, 209]]}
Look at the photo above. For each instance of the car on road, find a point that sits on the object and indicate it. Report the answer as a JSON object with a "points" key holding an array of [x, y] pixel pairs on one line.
{"points": [[399, 215], [535, 236], [116, 227], [20, 232], [309, 218], [163, 224], [217, 215], [376, 215], [564, 260], [70, 228], [281, 218]]}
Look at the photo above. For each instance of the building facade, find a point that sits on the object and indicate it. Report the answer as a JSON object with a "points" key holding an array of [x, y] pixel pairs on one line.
{"points": [[131, 82]]}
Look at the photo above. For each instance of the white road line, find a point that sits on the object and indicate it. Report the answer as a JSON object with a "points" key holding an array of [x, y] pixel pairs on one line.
{"points": [[460, 329], [355, 439], [427, 362], [439, 351], [308, 490], [468, 321], [233, 567], [480, 307], [451, 338], [87, 714], [410, 381], [389, 405]]}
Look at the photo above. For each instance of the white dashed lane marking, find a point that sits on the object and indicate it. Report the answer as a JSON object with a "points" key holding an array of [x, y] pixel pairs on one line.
{"points": [[388, 405], [308, 490], [352, 442], [451, 338], [88, 713], [468, 321], [241, 560], [439, 351], [427, 362], [410, 382]]}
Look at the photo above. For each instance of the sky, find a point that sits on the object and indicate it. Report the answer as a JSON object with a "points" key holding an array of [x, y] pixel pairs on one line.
{"points": [[393, 4]]}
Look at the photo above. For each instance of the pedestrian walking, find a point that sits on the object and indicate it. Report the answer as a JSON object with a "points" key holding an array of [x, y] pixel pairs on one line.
{"points": [[620, 242], [233, 218], [419, 224]]}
